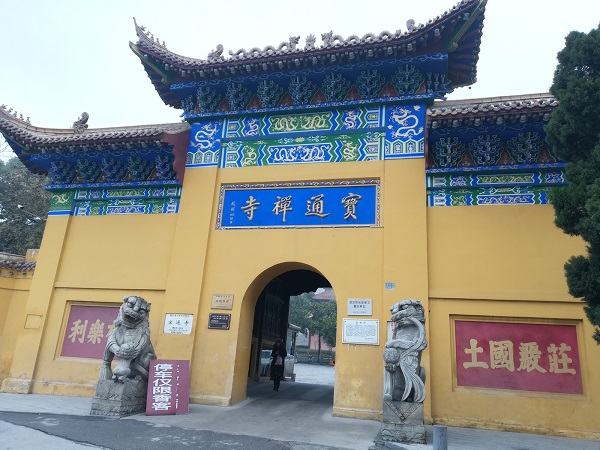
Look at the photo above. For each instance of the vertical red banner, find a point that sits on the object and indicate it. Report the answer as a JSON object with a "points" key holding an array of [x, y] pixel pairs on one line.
{"points": [[168, 387], [87, 329], [518, 356]]}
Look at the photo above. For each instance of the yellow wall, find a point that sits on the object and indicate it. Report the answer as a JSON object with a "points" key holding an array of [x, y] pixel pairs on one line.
{"points": [[55, 374], [117, 252], [356, 261], [85, 259], [488, 262], [494, 263], [13, 295]]}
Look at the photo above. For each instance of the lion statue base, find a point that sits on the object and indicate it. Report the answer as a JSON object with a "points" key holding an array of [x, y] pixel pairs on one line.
{"points": [[122, 391]]}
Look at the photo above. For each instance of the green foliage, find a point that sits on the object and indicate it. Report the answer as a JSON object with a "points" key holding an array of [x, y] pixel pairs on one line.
{"points": [[24, 205], [320, 317], [574, 132]]}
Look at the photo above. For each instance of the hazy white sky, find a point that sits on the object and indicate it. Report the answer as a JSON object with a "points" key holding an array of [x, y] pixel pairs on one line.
{"points": [[63, 57]]}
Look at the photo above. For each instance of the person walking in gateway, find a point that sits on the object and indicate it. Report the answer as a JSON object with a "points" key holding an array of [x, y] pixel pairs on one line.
{"points": [[278, 355]]}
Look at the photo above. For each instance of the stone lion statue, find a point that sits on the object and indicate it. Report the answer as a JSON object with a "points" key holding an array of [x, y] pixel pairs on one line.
{"points": [[404, 376], [130, 342]]}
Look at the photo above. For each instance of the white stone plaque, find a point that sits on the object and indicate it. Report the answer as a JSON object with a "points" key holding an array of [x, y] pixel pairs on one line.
{"points": [[360, 331], [178, 323], [360, 307], [222, 301]]}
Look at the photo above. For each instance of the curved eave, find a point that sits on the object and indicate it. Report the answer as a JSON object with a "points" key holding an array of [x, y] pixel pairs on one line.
{"points": [[160, 79], [27, 140], [457, 32], [513, 104]]}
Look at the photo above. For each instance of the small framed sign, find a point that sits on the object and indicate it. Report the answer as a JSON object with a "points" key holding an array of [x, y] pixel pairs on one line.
{"points": [[219, 321], [222, 301], [178, 323], [360, 307], [360, 331]]}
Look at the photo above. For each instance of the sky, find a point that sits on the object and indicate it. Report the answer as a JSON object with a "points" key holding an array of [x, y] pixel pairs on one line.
{"points": [[62, 57]]}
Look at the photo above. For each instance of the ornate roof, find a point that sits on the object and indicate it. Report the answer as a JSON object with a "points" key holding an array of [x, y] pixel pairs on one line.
{"points": [[16, 263], [512, 104], [20, 266], [490, 133], [27, 140], [444, 53]]}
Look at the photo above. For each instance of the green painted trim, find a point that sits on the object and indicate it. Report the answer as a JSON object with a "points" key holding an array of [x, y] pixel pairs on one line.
{"points": [[451, 43], [167, 77]]}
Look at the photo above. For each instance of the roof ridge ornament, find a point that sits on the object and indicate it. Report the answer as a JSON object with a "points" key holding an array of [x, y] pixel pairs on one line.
{"points": [[14, 114], [329, 40], [80, 125], [148, 35], [216, 55], [289, 46]]}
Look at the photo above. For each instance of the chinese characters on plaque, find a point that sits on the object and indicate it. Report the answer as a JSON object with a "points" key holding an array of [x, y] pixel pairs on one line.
{"points": [[178, 323], [168, 387], [364, 331], [327, 204], [222, 301], [518, 356], [360, 307], [87, 329]]}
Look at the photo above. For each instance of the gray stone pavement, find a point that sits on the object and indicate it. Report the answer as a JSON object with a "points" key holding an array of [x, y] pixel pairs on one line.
{"points": [[301, 412]]}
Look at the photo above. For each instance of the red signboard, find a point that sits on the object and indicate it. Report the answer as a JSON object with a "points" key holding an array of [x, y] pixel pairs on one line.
{"points": [[518, 356], [86, 331], [168, 387]]}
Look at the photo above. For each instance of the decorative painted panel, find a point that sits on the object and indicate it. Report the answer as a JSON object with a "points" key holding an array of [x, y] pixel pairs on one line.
{"points": [[518, 356], [397, 79], [334, 120], [61, 203], [119, 165], [120, 199], [310, 204], [363, 133], [304, 149], [405, 134], [502, 144], [517, 195], [205, 144], [499, 179], [129, 206]]}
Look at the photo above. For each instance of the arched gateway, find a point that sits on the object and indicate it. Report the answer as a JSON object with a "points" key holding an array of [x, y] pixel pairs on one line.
{"points": [[339, 158]]}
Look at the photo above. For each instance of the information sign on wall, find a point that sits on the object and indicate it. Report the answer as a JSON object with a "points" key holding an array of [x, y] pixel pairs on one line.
{"points": [[168, 387], [518, 356], [360, 307], [222, 301], [87, 329], [219, 321], [360, 331], [178, 323]]}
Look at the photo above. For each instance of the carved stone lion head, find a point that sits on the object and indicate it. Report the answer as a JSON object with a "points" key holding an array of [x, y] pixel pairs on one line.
{"points": [[133, 311]]}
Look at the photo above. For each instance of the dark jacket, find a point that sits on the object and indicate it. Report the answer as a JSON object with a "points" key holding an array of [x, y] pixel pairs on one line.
{"points": [[277, 370]]}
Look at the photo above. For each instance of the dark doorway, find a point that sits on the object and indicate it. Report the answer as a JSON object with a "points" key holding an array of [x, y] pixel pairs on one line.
{"points": [[271, 316]]}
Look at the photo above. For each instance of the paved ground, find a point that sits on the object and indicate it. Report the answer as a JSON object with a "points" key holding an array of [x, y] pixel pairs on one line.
{"points": [[314, 374], [299, 417]]}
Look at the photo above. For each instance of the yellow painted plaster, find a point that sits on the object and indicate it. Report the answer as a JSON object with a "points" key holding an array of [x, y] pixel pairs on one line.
{"points": [[505, 262]]}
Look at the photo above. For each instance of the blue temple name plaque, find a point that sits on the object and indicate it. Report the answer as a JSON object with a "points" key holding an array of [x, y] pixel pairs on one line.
{"points": [[347, 203]]}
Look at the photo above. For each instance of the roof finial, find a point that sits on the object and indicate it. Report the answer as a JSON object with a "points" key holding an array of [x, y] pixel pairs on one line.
{"points": [[80, 125]]}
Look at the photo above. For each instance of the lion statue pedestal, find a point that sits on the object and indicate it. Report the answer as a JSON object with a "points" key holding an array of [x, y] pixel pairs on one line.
{"points": [[123, 391], [404, 385]]}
